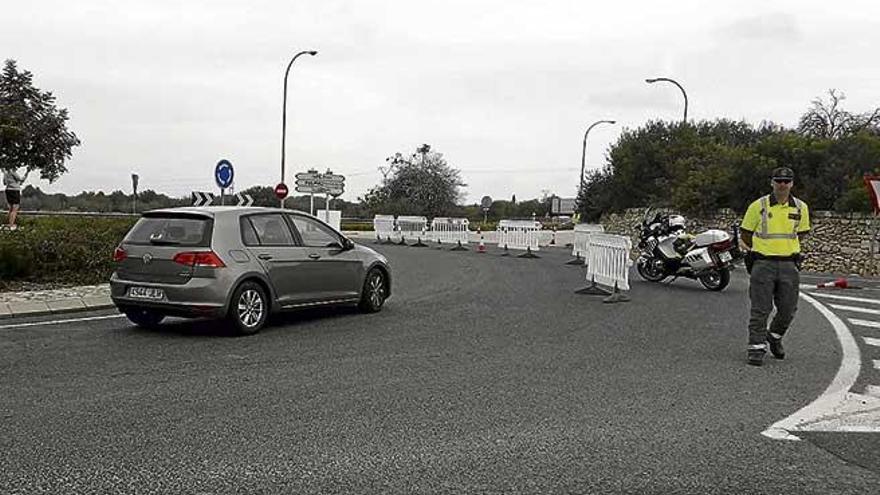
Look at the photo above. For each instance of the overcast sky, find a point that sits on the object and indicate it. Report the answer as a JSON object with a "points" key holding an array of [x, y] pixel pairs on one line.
{"points": [[504, 89]]}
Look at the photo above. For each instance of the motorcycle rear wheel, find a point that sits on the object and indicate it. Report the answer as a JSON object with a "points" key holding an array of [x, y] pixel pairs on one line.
{"points": [[716, 280]]}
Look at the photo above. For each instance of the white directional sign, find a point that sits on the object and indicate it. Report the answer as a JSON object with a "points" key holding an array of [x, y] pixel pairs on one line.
{"points": [[317, 183]]}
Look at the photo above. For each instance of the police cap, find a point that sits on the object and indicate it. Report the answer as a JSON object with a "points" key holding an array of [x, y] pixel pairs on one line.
{"points": [[783, 173]]}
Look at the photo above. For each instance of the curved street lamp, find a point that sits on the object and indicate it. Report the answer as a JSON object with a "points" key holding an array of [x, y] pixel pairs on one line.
{"points": [[584, 149], [284, 110], [666, 79]]}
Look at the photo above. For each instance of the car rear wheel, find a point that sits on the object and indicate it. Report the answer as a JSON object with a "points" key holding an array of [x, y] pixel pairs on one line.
{"points": [[249, 308], [144, 318], [374, 293]]}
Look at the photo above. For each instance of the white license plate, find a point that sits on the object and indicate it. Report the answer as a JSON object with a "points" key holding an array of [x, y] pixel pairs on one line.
{"points": [[146, 293], [725, 256]]}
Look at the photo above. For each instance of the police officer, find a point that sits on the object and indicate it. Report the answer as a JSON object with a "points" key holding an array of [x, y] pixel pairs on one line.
{"points": [[772, 229]]}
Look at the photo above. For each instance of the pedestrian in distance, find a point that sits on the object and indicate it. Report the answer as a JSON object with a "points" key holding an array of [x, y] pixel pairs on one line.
{"points": [[13, 182], [772, 230]]}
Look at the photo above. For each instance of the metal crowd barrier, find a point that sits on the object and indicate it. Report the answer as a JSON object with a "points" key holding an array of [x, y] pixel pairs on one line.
{"points": [[412, 228], [608, 265], [519, 234], [383, 226], [450, 231], [581, 244]]}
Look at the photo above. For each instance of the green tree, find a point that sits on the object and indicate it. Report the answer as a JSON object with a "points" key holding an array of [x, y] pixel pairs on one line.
{"points": [[418, 184], [33, 131]]}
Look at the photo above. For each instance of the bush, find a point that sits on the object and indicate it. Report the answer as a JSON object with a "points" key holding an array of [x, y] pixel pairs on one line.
{"points": [[75, 250]]}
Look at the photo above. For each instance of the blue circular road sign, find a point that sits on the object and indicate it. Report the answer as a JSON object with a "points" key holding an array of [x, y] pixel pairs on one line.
{"points": [[223, 174]]}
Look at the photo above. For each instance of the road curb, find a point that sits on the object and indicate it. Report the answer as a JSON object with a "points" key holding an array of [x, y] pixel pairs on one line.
{"points": [[54, 307]]}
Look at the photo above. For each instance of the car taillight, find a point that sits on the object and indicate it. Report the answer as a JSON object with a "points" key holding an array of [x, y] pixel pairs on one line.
{"points": [[199, 258], [119, 254]]}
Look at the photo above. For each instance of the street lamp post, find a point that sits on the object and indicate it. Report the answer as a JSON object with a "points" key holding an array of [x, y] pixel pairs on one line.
{"points": [[284, 110], [666, 79], [584, 149]]}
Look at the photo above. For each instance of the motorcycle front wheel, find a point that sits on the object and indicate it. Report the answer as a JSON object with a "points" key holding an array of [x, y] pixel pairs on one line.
{"points": [[716, 280], [651, 269]]}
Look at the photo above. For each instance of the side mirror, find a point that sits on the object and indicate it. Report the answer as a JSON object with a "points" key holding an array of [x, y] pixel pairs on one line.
{"points": [[347, 244]]}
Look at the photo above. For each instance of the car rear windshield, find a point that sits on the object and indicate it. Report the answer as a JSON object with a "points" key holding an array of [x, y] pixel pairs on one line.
{"points": [[171, 230]]}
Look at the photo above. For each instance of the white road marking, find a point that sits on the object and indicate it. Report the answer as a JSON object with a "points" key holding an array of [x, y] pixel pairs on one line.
{"points": [[877, 364], [845, 298], [856, 309], [872, 341], [828, 405], [864, 323], [58, 322]]}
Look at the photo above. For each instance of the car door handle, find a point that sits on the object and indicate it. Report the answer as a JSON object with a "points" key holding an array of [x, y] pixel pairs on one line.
{"points": [[314, 256], [265, 256]]}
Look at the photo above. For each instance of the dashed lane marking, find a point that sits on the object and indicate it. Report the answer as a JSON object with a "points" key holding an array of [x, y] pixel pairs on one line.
{"points": [[856, 309], [864, 323], [844, 298], [872, 341]]}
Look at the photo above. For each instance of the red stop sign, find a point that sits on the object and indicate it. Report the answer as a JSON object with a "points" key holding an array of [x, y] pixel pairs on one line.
{"points": [[281, 190]]}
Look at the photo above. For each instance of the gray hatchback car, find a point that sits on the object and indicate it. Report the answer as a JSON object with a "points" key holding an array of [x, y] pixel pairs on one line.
{"points": [[241, 264]]}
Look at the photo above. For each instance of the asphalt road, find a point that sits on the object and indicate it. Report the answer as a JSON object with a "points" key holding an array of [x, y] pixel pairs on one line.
{"points": [[483, 374]]}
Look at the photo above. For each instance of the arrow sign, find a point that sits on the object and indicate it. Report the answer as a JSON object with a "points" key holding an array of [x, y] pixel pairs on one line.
{"points": [[244, 199], [333, 178], [309, 189], [308, 176], [202, 198], [308, 182]]}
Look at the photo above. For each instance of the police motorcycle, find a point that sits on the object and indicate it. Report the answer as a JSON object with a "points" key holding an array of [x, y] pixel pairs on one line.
{"points": [[667, 250]]}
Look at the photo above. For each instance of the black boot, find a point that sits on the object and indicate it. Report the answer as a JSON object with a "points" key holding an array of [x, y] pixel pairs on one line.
{"points": [[756, 358], [776, 347]]}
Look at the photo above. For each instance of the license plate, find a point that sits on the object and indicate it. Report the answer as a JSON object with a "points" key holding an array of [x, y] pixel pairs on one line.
{"points": [[725, 256], [146, 293]]}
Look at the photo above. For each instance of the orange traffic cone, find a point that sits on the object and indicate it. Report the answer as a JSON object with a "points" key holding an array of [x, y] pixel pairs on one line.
{"points": [[840, 283], [481, 248]]}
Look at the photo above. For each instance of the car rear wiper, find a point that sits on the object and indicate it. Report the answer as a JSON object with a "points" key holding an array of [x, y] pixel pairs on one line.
{"points": [[164, 242]]}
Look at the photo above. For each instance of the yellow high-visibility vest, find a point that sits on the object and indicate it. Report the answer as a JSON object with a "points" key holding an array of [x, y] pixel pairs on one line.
{"points": [[775, 226]]}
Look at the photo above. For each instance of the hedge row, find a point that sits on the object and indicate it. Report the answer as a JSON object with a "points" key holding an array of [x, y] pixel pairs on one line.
{"points": [[78, 250], [61, 249]]}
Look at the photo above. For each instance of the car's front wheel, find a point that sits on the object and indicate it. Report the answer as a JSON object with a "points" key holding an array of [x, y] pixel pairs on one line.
{"points": [[249, 308], [144, 318], [375, 291]]}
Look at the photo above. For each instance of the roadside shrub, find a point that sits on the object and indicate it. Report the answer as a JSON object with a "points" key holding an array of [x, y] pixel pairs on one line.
{"points": [[75, 250]]}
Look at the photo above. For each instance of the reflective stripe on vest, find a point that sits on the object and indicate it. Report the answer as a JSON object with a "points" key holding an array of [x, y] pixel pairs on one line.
{"points": [[765, 209]]}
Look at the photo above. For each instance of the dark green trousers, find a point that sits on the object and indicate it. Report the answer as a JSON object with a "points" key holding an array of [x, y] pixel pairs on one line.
{"points": [[772, 283]]}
